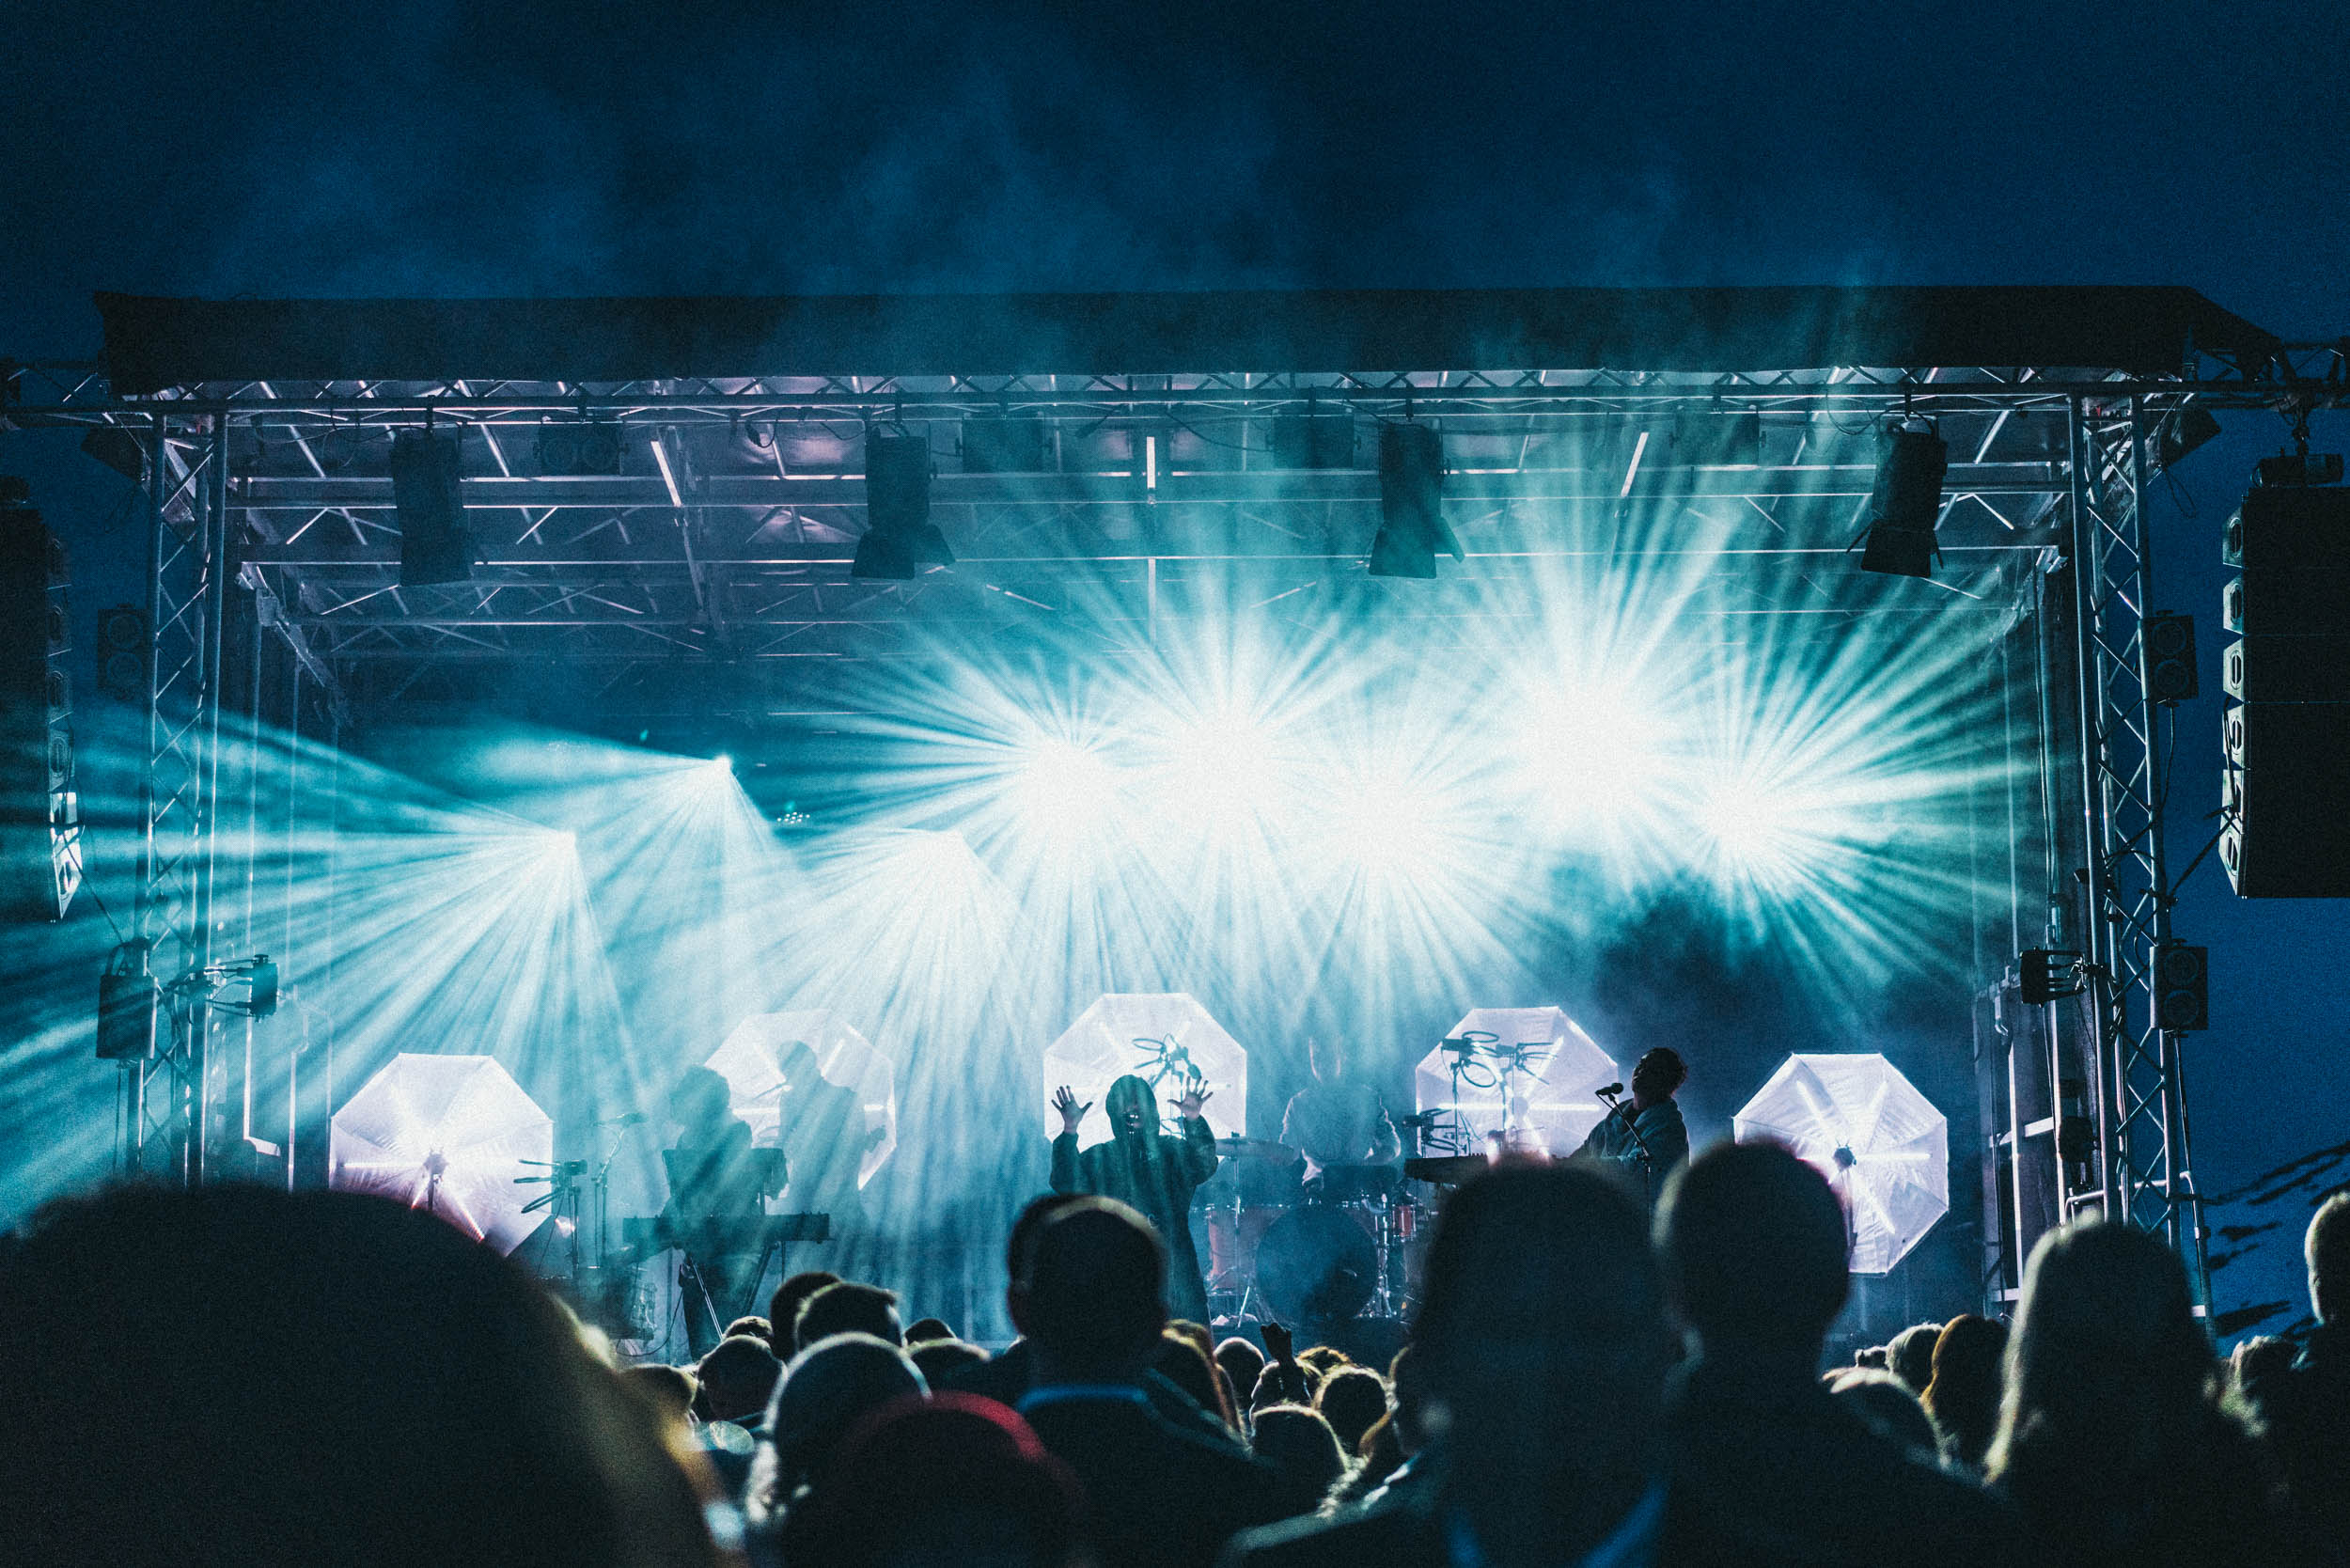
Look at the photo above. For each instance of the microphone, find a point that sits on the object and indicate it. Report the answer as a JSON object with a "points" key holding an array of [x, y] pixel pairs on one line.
{"points": [[1610, 1091]]}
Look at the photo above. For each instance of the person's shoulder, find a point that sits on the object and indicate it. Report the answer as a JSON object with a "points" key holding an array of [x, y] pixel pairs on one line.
{"points": [[1394, 1534]]}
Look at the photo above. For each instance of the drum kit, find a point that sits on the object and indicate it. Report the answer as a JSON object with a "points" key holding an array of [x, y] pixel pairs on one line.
{"points": [[1353, 1241]]}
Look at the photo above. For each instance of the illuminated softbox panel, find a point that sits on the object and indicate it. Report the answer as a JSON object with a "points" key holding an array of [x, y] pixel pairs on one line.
{"points": [[1555, 1098], [450, 1133], [846, 1058], [1880, 1143], [1140, 1033]]}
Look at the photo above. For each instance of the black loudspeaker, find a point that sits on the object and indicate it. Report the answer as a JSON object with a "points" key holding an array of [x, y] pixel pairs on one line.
{"points": [[2286, 786], [1411, 503], [2170, 657], [1000, 446], [2181, 987], [41, 833], [128, 998], [435, 543], [900, 539], [122, 653], [1313, 441]]}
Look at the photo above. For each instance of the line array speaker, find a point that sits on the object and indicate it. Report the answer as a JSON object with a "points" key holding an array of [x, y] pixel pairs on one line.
{"points": [[2286, 726], [40, 832]]}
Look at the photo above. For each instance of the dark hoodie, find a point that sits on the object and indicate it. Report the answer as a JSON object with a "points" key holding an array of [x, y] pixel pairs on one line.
{"points": [[1153, 1172]]}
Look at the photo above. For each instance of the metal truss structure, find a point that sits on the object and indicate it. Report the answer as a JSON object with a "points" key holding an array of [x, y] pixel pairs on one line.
{"points": [[705, 569]]}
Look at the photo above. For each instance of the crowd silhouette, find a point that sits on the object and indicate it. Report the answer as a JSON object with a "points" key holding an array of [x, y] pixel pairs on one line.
{"points": [[238, 1375]]}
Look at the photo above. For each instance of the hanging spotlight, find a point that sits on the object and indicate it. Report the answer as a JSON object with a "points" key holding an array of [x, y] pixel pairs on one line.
{"points": [[434, 545], [2182, 431], [900, 538], [1904, 505], [1411, 503]]}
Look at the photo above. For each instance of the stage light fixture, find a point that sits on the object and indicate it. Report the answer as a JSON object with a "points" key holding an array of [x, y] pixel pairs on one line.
{"points": [[2182, 431], [1904, 505], [1411, 504], [579, 446], [900, 538], [428, 500], [118, 449]]}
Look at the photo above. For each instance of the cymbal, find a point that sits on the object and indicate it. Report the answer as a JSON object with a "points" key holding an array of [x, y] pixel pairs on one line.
{"points": [[1444, 1169], [1256, 1149]]}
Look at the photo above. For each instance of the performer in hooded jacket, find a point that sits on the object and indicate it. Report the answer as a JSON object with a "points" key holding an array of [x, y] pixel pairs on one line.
{"points": [[1144, 1168]]}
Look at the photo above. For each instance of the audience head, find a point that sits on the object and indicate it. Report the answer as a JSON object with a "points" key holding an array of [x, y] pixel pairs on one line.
{"points": [[923, 1329], [987, 1492], [783, 1308], [1182, 1362], [1303, 1454], [1352, 1400], [671, 1390], [195, 1385], [1659, 1075], [738, 1376], [848, 1308], [1886, 1406], [826, 1390], [1323, 1360], [1240, 1361], [1408, 1384], [2259, 1367], [2327, 1249], [1754, 1248], [1094, 1300], [1541, 1347], [751, 1325], [1132, 1107], [1910, 1356], [1021, 1244], [2107, 1357], [940, 1360], [1962, 1394]]}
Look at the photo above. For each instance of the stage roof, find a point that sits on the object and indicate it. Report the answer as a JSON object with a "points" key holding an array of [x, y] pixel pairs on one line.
{"points": [[155, 343]]}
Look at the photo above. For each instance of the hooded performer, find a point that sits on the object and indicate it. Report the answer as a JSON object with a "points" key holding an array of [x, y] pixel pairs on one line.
{"points": [[1144, 1168]]}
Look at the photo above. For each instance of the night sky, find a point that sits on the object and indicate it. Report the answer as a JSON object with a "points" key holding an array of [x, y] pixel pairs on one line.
{"points": [[445, 148]]}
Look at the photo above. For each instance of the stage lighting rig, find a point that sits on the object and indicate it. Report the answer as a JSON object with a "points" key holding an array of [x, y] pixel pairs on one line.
{"points": [[1904, 505], [2045, 975]]}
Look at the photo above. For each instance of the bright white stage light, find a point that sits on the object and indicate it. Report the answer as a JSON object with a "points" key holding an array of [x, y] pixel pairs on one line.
{"points": [[1880, 1143], [1062, 786], [451, 1135], [1149, 1034], [1550, 1104], [1222, 767]]}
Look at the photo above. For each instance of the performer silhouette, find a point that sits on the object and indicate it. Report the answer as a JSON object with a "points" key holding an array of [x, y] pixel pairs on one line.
{"points": [[1149, 1170]]}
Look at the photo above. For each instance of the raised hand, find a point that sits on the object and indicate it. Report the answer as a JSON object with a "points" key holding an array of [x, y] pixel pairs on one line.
{"points": [[1071, 1112], [1195, 1097]]}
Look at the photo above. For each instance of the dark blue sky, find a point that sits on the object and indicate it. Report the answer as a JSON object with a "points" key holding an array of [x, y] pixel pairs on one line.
{"points": [[440, 147]]}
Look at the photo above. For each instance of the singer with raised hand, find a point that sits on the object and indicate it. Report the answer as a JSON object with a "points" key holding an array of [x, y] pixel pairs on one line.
{"points": [[1642, 1140], [1147, 1169]]}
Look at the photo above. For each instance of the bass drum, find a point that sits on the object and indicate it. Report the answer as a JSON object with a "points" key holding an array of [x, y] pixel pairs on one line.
{"points": [[1316, 1264]]}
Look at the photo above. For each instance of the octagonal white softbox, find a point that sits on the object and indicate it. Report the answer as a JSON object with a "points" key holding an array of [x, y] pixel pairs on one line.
{"points": [[1880, 1143]]}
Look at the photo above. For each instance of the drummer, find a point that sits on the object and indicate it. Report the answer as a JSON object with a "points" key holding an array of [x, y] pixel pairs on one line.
{"points": [[1335, 1119]]}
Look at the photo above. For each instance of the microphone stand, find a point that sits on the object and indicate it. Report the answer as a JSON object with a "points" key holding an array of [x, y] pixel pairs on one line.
{"points": [[1632, 1125]]}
